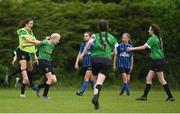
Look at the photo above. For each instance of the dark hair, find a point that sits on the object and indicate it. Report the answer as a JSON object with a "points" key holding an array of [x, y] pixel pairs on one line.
{"points": [[89, 33], [103, 26], [24, 22], [156, 30]]}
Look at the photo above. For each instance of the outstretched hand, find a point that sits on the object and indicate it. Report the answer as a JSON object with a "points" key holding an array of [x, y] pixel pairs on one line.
{"points": [[129, 49]]}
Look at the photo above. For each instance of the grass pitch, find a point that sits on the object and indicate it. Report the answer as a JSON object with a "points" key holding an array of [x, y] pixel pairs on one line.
{"points": [[65, 100]]}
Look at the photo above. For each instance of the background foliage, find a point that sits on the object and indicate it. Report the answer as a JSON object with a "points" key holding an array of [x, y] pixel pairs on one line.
{"points": [[71, 18]]}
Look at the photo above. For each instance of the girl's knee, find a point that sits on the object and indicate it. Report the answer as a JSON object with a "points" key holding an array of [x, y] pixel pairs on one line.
{"points": [[148, 80], [163, 81], [23, 67], [54, 79], [49, 80]]}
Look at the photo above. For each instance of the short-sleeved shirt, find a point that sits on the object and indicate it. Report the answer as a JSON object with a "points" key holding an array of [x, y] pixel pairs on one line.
{"points": [[25, 33], [87, 56], [103, 51], [123, 56], [45, 46], [154, 45]]}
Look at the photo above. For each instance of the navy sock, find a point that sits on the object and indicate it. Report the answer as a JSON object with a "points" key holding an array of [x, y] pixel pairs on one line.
{"points": [[42, 85], [84, 87], [128, 83], [126, 87], [92, 84], [46, 89], [123, 88]]}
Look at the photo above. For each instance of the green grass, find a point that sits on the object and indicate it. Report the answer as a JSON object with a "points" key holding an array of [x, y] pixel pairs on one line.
{"points": [[64, 100]]}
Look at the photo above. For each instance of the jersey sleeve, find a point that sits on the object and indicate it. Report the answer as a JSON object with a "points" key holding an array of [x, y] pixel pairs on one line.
{"points": [[114, 41], [149, 43], [131, 52], [33, 36], [22, 34], [44, 42], [81, 48]]}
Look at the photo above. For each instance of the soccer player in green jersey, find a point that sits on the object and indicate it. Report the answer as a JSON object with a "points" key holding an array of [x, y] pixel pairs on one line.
{"points": [[44, 62], [25, 36], [104, 44], [155, 44]]}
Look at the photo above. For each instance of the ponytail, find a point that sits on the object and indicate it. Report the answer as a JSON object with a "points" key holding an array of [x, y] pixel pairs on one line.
{"points": [[103, 26], [157, 32]]}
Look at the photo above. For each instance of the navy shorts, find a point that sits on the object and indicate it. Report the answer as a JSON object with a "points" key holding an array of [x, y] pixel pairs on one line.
{"points": [[124, 70]]}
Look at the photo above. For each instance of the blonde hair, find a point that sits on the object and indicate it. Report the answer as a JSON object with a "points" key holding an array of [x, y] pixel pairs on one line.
{"points": [[129, 37], [56, 35]]}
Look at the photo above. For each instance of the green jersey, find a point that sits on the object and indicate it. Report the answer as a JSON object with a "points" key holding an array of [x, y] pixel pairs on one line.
{"points": [[154, 45], [45, 46], [25, 33], [106, 50]]}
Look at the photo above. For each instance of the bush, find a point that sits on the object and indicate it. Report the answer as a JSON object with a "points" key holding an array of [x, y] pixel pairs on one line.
{"points": [[72, 19]]}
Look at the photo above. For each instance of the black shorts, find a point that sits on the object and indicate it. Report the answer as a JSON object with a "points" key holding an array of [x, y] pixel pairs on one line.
{"points": [[157, 65], [123, 70], [84, 69], [45, 66], [100, 65], [22, 55]]}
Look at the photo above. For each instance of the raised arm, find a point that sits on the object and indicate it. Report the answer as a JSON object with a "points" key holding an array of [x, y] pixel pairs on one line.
{"points": [[86, 48], [137, 48], [34, 41]]}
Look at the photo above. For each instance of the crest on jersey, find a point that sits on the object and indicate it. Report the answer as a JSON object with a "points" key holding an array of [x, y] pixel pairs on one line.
{"points": [[47, 69], [23, 57]]}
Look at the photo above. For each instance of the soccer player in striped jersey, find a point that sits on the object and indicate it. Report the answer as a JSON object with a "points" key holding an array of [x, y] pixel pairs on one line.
{"points": [[123, 61], [86, 64], [155, 44]]}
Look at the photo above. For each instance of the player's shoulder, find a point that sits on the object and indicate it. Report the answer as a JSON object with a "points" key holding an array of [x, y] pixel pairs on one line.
{"points": [[22, 30], [130, 45], [111, 36], [45, 41], [120, 44], [83, 44]]}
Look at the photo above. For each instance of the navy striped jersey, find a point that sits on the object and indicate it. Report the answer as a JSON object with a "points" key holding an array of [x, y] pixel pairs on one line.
{"points": [[87, 56], [123, 57]]}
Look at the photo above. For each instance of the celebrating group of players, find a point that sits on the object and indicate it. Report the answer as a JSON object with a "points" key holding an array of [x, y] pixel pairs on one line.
{"points": [[99, 51]]}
